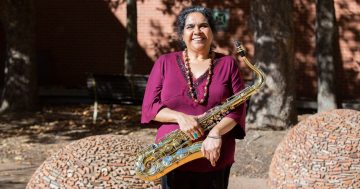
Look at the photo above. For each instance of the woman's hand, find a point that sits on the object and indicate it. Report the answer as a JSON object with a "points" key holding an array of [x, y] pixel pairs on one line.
{"points": [[189, 125], [211, 148]]}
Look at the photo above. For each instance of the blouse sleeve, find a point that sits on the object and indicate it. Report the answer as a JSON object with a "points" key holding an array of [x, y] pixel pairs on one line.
{"points": [[239, 113], [152, 98]]}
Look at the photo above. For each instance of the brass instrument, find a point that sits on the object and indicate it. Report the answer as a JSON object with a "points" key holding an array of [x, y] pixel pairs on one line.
{"points": [[176, 148]]}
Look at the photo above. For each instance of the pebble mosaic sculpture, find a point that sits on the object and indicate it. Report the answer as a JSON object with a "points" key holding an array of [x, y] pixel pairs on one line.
{"points": [[323, 151], [98, 162]]}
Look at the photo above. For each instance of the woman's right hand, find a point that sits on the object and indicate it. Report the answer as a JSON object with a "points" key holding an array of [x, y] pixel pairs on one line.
{"points": [[189, 125]]}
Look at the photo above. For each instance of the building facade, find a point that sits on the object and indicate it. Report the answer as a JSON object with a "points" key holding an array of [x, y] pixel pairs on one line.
{"points": [[76, 38]]}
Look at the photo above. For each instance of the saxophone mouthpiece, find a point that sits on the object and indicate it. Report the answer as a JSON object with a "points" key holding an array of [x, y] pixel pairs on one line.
{"points": [[237, 44], [239, 48]]}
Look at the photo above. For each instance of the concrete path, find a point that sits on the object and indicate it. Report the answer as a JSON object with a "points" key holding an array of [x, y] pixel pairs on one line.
{"points": [[15, 176], [247, 183]]}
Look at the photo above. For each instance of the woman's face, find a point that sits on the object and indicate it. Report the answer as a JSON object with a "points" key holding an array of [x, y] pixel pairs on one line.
{"points": [[197, 33]]}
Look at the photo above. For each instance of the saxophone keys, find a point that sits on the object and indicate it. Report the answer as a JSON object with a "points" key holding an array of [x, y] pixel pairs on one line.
{"points": [[176, 142], [153, 169], [153, 146], [168, 149], [181, 153], [139, 167], [167, 160], [147, 165]]}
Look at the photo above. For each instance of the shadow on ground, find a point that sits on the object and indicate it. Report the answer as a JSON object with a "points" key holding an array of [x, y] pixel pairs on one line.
{"points": [[75, 122]]}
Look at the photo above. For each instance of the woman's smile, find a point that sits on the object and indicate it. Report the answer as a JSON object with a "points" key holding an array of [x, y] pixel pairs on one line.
{"points": [[199, 39]]}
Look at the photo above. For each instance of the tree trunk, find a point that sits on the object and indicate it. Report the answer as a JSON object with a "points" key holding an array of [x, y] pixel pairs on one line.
{"points": [[19, 92], [326, 39], [274, 105], [131, 38]]}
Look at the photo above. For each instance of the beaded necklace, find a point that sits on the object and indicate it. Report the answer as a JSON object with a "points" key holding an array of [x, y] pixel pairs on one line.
{"points": [[190, 80]]}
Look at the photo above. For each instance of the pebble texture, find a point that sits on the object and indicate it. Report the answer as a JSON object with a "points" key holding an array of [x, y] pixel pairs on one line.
{"points": [[323, 151], [98, 162]]}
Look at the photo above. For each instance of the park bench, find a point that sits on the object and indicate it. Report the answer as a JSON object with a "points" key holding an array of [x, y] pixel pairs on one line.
{"points": [[115, 89]]}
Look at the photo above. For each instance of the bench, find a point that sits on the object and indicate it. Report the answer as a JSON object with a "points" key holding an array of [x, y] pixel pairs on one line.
{"points": [[115, 89]]}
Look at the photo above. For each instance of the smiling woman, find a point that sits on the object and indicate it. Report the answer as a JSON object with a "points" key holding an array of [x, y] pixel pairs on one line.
{"points": [[197, 33], [181, 87]]}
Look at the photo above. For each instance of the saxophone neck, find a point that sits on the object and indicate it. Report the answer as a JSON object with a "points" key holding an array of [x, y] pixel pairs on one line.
{"points": [[259, 73]]}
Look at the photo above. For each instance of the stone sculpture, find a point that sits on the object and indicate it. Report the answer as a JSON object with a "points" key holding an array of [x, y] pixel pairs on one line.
{"points": [[99, 162], [323, 151]]}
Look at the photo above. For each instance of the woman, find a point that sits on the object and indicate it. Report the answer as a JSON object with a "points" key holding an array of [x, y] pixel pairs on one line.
{"points": [[181, 87]]}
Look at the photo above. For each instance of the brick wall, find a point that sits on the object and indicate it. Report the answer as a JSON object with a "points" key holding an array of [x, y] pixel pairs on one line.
{"points": [[348, 75], [74, 38], [348, 16]]}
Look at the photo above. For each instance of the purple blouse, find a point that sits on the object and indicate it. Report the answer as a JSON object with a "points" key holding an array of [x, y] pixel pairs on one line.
{"points": [[167, 87]]}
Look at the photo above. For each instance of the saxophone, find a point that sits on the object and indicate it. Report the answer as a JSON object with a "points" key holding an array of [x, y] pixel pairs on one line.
{"points": [[176, 148]]}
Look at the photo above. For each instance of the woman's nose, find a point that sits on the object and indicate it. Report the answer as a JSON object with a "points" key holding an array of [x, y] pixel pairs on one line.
{"points": [[197, 30]]}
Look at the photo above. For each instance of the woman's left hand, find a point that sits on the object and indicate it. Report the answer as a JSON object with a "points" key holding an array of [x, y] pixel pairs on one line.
{"points": [[211, 149]]}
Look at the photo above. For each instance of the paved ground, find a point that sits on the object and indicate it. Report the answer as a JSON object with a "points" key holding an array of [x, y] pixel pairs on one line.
{"points": [[241, 182], [23, 158], [27, 140], [16, 177]]}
